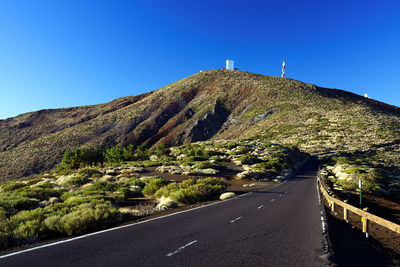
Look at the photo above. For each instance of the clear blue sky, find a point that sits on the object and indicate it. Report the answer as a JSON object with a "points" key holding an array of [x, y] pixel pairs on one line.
{"points": [[62, 53]]}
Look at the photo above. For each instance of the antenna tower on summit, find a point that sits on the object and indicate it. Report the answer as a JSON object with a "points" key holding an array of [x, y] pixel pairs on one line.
{"points": [[283, 68]]}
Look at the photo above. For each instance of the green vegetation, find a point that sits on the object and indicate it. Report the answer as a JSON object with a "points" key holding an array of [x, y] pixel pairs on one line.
{"points": [[82, 157], [192, 191], [153, 185], [372, 167]]}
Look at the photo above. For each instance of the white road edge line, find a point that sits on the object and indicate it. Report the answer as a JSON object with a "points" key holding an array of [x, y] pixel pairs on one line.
{"points": [[323, 225], [109, 230], [181, 248], [260, 207], [322, 217], [319, 197], [236, 219]]}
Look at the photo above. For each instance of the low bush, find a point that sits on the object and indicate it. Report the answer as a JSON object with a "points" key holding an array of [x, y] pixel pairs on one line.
{"points": [[203, 165], [135, 182], [89, 172], [192, 191], [78, 180], [240, 151], [42, 192], [194, 158], [231, 145], [149, 163], [355, 171], [12, 186], [249, 159], [86, 217], [102, 186], [11, 203], [28, 225], [79, 199], [210, 153], [153, 185], [5, 230], [34, 181]]}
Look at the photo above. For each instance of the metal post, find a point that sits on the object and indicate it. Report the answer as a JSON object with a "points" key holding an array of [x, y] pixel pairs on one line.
{"points": [[360, 186]]}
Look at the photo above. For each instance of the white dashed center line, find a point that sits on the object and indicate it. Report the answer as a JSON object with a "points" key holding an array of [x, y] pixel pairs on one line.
{"points": [[260, 207], [280, 195], [181, 248], [273, 199], [234, 220]]}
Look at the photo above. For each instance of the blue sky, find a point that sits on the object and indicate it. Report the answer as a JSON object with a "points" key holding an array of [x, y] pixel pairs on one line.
{"points": [[62, 53]]}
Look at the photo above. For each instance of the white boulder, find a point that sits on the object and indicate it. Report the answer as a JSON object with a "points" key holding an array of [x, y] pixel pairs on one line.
{"points": [[227, 195]]}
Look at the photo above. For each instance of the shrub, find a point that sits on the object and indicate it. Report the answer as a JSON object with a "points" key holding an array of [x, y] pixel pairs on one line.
{"points": [[81, 157], [161, 150], [192, 191], [5, 230], [13, 202], [240, 151], [89, 172], [102, 186], [153, 185], [136, 182], [142, 152], [149, 163], [75, 201], [77, 180], [41, 192], [124, 192], [231, 145], [34, 181], [249, 159], [203, 165], [27, 225], [11, 186], [86, 217], [210, 153], [355, 171], [194, 158], [119, 153]]}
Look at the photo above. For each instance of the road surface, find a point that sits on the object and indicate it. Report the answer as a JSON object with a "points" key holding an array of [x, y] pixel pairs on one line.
{"points": [[275, 227]]}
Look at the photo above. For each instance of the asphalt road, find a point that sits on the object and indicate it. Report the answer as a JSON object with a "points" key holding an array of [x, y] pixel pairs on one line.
{"points": [[275, 227]]}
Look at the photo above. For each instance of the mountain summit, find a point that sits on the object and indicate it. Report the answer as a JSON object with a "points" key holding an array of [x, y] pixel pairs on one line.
{"points": [[215, 104]]}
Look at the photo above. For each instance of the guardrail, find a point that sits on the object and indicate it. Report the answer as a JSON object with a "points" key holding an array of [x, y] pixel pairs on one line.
{"points": [[364, 214]]}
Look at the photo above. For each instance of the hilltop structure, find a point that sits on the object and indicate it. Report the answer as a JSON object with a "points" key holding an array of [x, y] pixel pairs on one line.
{"points": [[229, 64]]}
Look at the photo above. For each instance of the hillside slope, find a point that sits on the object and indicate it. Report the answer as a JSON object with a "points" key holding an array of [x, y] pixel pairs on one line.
{"points": [[216, 104]]}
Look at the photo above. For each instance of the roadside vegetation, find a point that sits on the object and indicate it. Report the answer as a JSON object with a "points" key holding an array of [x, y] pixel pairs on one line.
{"points": [[92, 189], [377, 168]]}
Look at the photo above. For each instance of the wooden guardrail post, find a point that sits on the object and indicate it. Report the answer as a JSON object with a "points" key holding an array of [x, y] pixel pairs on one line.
{"points": [[365, 224], [345, 217]]}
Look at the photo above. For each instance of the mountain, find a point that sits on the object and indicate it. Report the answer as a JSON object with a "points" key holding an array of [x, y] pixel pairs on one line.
{"points": [[215, 104]]}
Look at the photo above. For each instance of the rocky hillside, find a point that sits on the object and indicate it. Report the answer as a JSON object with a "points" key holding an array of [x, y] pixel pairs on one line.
{"points": [[216, 104]]}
